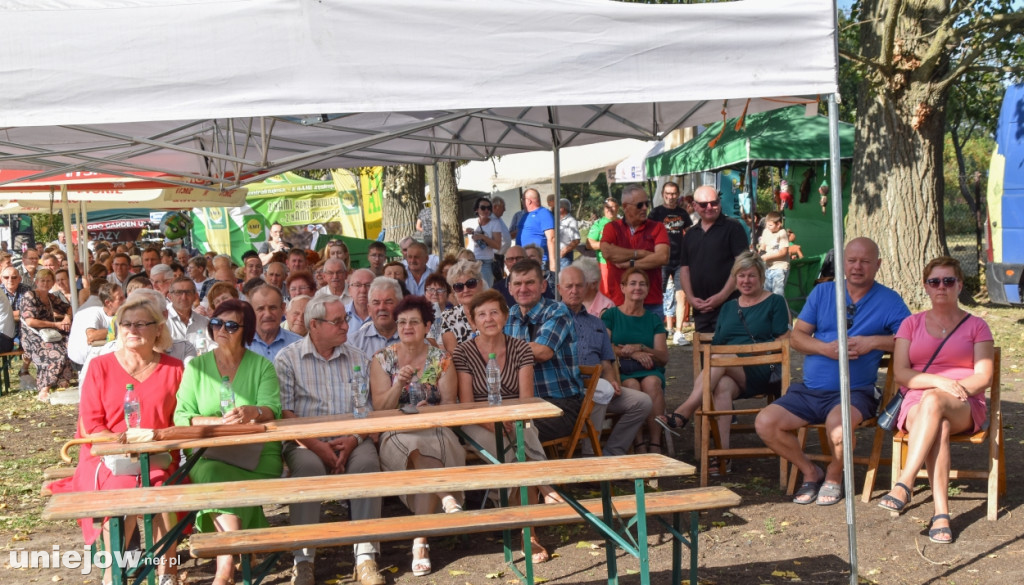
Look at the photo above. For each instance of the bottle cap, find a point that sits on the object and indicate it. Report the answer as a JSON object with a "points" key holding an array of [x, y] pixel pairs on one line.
{"points": [[357, 369], [130, 387], [491, 356]]}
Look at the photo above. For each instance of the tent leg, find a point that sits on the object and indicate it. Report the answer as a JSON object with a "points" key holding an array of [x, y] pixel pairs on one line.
{"points": [[66, 213]]}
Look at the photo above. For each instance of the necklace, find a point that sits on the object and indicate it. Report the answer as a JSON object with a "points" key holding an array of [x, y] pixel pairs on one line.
{"points": [[140, 370]]}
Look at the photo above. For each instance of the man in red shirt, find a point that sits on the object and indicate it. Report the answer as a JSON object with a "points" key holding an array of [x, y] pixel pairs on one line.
{"points": [[636, 241]]}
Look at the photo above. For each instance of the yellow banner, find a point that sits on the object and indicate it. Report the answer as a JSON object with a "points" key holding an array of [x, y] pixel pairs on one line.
{"points": [[348, 193], [369, 181], [218, 229]]}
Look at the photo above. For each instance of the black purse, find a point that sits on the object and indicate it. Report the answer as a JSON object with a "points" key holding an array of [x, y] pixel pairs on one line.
{"points": [[775, 372], [891, 413]]}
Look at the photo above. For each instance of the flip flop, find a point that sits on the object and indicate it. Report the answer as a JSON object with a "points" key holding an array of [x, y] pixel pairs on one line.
{"points": [[807, 488], [830, 490], [933, 532], [897, 505]]}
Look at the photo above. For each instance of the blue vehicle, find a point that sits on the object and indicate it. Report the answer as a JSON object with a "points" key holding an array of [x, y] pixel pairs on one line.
{"points": [[1006, 204]]}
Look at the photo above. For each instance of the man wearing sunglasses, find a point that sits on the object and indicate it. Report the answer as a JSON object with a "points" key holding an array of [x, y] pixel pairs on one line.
{"points": [[709, 249], [636, 241], [874, 313]]}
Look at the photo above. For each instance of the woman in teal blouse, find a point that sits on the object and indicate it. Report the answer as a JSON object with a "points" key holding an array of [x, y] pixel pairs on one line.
{"points": [[756, 316], [257, 399], [640, 342]]}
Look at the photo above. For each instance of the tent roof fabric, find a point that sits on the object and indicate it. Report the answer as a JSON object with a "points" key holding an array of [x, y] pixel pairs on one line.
{"points": [[783, 135], [208, 91]]}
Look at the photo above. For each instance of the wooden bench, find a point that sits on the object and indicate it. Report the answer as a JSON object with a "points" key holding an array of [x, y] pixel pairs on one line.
{"points": [[194, 497], [286, 538]]}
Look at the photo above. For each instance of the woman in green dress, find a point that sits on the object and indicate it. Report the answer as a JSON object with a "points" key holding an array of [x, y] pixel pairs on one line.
{"points": [[640, 342], [756, 316], [257, 399]]}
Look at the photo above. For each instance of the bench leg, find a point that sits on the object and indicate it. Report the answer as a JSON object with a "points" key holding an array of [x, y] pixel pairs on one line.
{"points": [[641, 533], [246, 569], [677, 550], [118, 574], [609, 544]]}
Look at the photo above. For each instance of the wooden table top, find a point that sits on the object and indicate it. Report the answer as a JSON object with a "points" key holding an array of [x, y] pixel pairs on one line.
{"points": [[282, 491], [449, 415]]}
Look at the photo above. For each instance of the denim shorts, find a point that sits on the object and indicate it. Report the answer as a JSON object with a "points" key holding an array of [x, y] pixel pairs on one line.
{"points": [[775, 280]]}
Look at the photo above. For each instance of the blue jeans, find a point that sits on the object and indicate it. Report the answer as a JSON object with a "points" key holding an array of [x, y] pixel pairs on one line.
{"points": [[564, 262], [487, 271], [775, 280]]}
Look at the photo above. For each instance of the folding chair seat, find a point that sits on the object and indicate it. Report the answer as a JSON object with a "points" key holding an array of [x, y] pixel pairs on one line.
{"points": [[567, 445]]}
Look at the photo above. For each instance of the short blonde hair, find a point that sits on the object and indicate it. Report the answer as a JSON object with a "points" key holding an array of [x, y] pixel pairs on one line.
{"points": [[140, 300], [747, 260]]}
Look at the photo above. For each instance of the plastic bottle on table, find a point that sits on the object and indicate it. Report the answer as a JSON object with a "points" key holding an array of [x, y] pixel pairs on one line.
{"points": [[132, 411], [227, 396], [493, 381], [360, 394]]}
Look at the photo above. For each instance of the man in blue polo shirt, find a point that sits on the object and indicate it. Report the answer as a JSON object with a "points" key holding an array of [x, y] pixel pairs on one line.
{"points": [[538, 227], [874, 313], [549, 328]]}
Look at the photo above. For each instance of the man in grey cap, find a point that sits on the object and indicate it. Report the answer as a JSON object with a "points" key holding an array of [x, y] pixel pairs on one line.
{"points": [[568, 234]]}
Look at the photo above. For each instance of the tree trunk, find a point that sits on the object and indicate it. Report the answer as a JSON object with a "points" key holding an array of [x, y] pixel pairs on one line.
{"points": [[402, 195], [897, 166], [451, 208]]}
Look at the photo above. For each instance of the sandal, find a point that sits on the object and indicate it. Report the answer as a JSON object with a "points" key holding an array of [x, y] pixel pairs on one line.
{"points": [[450, 505], [933, 532], [672, 421], [715, 468], [808, 492], [833, 491], [420, 567], [894, 504], [640, 447], [653, 447]]}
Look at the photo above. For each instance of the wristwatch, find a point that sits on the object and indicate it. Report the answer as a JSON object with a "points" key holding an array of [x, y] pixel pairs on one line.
{"points": [[359, 439], [632, 263]]}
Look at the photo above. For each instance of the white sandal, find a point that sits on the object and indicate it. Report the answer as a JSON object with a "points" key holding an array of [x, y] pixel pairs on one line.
{"points": [[420, 567], [450, 505]]}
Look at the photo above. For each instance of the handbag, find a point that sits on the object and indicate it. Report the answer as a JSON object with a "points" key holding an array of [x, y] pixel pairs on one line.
{"points": [[629, 365], [130, 465], [245, 456], [49, 335], [775, 371], [891, 413]]}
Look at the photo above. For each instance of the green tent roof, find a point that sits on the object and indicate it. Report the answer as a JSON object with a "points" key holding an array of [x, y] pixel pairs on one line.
{"points": [[777, 136]]}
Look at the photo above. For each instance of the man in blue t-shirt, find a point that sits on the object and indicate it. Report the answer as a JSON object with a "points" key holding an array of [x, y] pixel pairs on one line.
{"points": [[874, 313], [538, 227]]}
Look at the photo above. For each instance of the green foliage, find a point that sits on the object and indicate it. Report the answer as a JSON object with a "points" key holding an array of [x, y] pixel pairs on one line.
{"points": [[46, 226]]}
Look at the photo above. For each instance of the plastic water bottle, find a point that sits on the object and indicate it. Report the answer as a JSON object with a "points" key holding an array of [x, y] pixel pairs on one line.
{"points": [[132, 412], [493, 381], [227, 396], [360, 394], [415, 392]]}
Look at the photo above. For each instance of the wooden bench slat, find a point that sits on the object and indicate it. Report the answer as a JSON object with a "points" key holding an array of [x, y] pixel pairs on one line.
{"points": [[368, 485], [53, 473], [284, 538]]}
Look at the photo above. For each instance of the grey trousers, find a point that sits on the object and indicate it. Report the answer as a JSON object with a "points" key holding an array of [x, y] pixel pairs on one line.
{"points": [[304, 463], [634, 406]]}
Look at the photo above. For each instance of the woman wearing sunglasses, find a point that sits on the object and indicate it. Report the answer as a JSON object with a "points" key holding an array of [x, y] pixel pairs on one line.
{"points": [[437, 290], [466, 280], [943, 363], [140, 360], [392, 370], [257, 400], [483, 237]]}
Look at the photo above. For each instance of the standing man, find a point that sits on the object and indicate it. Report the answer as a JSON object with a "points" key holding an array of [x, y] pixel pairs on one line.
{"points": [[183, 322], [29, 265], [539, 228], [315, 376], [358, 309], [676, 220], [548, 327], [416, 259], [635, 241], [593, 241], [252, 266], [270, 338], [709, 250], [150, 258], [122, 266], [506, 237], [382, 330], [595, 347], [874, 313], [273, 244], [61, 241], [377, 256], [568, 234]]}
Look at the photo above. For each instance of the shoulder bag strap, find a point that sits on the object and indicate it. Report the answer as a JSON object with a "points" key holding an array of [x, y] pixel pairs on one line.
{"points": [[938, 349]]}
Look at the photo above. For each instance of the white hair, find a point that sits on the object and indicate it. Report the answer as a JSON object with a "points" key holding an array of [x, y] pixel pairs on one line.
{"points": [[385, 283], [590, 269]]}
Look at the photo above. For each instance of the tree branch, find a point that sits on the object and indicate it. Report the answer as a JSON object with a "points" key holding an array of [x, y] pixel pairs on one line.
{"points": [[874, 65], [889, 32]]}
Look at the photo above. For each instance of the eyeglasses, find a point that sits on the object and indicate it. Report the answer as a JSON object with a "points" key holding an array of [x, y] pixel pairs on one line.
{"points": [[705, 204], [436, 291], [137, 325], [413, 322], [333, 273], [359, 285], [229, 326], [514, 259], [182, 292], [851, 310], [336, 322], [470, 284], [12, 277], [640, 205], [947, 281]]}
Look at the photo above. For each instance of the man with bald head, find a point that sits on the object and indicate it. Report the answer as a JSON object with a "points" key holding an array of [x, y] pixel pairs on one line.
{"points": [[538, 227], [873, 315], [709, 249], [635, 241]]}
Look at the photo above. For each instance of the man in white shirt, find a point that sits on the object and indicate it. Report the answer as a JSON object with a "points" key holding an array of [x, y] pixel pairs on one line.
{"points": [[183, 322], [416, 260], [122, 266], [336, 275], [92, 324]]}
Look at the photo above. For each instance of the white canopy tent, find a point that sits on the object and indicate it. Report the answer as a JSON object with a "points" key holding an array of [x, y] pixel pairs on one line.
{"points": [[227, 92]]}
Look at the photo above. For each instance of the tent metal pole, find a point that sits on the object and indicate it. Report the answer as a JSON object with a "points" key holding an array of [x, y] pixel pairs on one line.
{"points": [[844, 362], [436, 229], [557, 260], [83, 237], [66, 216]]}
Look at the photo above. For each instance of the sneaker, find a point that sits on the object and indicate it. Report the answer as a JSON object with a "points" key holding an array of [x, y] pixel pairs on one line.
{"points": [[302, 574], [680, 339]]}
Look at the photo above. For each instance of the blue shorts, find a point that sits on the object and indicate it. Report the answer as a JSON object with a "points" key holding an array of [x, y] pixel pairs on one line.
{"points": [[813, 406]]}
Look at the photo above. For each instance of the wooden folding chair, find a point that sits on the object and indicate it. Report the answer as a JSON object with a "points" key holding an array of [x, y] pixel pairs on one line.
{"points": [[874, 460], [772, 352], [567, 444], [698, 341], [991, 436]]}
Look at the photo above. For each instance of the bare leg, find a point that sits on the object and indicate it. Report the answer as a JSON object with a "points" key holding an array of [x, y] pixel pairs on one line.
{"points": [[226, 563], [834, 431], [774, 425], [651, 386], [726, 390], [695, 399]]}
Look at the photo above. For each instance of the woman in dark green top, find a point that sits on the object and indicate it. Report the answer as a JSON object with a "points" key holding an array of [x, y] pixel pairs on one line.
{"points": [[756, 316], [640, 342]]}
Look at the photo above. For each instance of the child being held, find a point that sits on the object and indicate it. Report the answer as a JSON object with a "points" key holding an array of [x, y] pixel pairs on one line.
{"points": [[774, 249]]}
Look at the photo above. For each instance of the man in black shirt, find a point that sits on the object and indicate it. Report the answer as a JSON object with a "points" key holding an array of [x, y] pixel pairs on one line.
{"points": [[708, 252], [676, 221]]}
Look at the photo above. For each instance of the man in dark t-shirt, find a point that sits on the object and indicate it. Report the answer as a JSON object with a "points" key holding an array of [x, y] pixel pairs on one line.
{"points": [[708, 252], [676, 220]]}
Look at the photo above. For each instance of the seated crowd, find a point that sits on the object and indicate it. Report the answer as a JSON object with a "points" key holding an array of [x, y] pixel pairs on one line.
{"points": [[290, 329]]}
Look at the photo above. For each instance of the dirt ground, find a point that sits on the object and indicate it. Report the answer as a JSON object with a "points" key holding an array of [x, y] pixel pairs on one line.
{"points": [[765, 540]]}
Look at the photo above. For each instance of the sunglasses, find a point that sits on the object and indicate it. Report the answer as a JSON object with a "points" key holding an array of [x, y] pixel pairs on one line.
{"points": [[470, 284], [947, 281], [705, 204], [485, 207], [851, 310], [641, 205], [229, 326]]}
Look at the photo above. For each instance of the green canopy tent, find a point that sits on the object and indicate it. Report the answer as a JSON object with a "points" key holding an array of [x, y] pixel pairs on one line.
{"points": [[786, 138]]}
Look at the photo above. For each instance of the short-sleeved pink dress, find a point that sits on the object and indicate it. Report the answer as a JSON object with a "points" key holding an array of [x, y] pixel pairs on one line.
{"points": [[956, 360]]}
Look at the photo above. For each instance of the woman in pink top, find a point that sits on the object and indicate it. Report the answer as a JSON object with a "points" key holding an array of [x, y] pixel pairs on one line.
{"points": [[947, 399]]}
